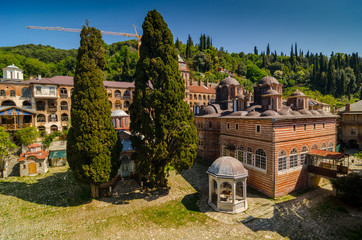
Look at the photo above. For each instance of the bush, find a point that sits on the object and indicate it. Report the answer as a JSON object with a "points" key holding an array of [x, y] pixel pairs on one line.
{"points": [[349, 189], [49, 138], [27, 135]]}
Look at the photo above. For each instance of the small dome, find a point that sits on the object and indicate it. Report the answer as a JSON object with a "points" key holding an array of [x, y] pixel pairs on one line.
{"points": [[239, 113], [321, 111], [305, 112], [295, 113], [227, 167], [253, 114], [269, 113], [119, 113], [271, 92], [284, 111], [229, 81], [12, 66], [315, 112], [208, 110], [297, 94], [268, 80]]}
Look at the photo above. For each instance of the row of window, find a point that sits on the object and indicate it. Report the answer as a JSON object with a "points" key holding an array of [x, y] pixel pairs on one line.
{"points": [[200, 97], [118, 94], [305, 126], [259, 158], [258, 127], [52, 118]]}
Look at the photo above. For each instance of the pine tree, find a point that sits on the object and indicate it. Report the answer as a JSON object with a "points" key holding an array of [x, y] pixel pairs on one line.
{"points": [[92, 138], [163, 131], [267, 50], [255, 50]]}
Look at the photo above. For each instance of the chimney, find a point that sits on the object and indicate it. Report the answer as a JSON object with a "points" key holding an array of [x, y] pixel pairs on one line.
{"points": [[315, 98], [39, 77], [200, 81], [348, 107], [207, 82]]}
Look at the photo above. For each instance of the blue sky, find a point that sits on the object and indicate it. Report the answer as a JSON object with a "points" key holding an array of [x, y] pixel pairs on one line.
{"points": [[237, 25]]}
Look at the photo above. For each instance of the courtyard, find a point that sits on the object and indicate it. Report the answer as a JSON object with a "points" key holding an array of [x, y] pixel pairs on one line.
{"points": [[53, 206]]}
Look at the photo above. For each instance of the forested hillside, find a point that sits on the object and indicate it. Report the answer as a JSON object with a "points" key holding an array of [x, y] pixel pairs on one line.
{"points": [[333, 79]]}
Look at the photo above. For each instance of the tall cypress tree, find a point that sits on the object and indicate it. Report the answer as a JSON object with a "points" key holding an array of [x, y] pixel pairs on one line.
{"points": [[92, 138], [163, 132], [267, 50]]}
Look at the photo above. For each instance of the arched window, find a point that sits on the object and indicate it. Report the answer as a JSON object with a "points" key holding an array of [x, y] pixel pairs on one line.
{"points": [[241, 153], [330, 146], [12, 93], [54, 128], [126, 104], [40, 106], [53, 118], [249, 156], [324, 146], [303, 155], [41, 129], [40, 118], [8, 103], [2, 93], [117, 94], [195, 97], [26, 92], [63, 92], [282, 160], [200, 98], [293, 158], [64, 117], [109, 92], [260, 159], [126, 94], [314, 146], [190, 96], [64, 105], [204, 97], [27, 104]]}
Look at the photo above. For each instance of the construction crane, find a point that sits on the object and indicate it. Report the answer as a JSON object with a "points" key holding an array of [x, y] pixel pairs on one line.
{"points": [[103, 32]]}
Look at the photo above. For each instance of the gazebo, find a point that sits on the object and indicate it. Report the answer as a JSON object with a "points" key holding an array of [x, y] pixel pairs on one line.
{"points": [[227, 185]]}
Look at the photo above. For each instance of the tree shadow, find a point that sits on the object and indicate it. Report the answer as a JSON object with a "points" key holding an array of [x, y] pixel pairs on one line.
{"points": [[58, 189], [296, 219]]}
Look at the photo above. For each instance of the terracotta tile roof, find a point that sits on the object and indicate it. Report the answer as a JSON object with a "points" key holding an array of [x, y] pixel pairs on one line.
{"points": [[327, 154], [202, 89], [68, 81], [39, 155], [34, 145]]}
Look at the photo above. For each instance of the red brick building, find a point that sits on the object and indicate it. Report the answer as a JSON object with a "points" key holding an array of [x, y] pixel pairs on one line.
{"points": [[269, 137]]}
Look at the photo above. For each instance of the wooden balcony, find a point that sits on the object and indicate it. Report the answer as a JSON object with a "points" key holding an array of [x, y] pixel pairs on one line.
{"points": [[15, 126]]}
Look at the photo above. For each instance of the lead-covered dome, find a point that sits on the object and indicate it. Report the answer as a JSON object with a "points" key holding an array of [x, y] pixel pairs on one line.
{"points": [[268, 80], [297, 94], [227, 167], [229, 81], [119, 113]]}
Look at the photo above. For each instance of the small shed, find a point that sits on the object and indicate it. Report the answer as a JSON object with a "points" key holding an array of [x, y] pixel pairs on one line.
{"points": [[58, 158], [34, 161], [227, 185]]}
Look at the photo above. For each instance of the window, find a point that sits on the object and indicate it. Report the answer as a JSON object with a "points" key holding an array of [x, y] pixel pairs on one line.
{"points": [[324, 147], [52, 90], [64, 117], [12, 93], [293, 158], [117, 94], [225, 151], [227, 125], [40, 164], [232, 150], [210, 124], [53, 118], [237, 126], [324, 125], [2, 93], [40, 118], [241, 153], [63, 105], [314, 146], [38, 90], [258, 128], [303, 155], [249, 156], [260, 159], [314, 126], [26, 92], [305, 127], [294, 127], [282, 160], [63, 92], [40, 106], [330, 146]]}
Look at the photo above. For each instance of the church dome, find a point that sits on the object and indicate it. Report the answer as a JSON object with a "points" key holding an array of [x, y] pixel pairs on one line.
{"points": [[269, 113], [229, 81], [297, 94], [227, 167], [208, 110], [268, 80], [119, 113]]}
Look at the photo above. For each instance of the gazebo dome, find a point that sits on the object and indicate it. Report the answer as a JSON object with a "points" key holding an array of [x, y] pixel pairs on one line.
{"points": [[227, 167], [229, 81], [297, 94], [268, 80], [119, 113]]}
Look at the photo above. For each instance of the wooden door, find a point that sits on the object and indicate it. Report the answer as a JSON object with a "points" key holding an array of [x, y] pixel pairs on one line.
{"points": [[32, 168]]}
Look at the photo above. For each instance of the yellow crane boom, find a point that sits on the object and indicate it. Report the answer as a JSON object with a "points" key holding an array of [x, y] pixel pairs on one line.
{"points": [[103, 32]]}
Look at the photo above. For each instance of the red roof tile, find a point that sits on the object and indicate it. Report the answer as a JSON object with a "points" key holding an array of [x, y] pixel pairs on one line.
{"points": [[34, 145], [327, 154], [202, 89], [39, 155]]}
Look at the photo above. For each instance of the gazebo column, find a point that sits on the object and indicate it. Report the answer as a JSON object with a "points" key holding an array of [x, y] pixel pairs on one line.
{"points": [[233, 192], [15, 122], [210, 188], [218, 191], [244, 189], [33, 120]]}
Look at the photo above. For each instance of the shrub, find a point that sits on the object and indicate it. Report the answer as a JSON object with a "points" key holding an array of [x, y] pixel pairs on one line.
{"points": [[27, 135], [349, 188]]}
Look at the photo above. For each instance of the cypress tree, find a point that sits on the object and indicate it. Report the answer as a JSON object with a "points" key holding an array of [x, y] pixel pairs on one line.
{"points": [[177, 43], [163, 133], [267, 50], [92, 138], [255, 50]]}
